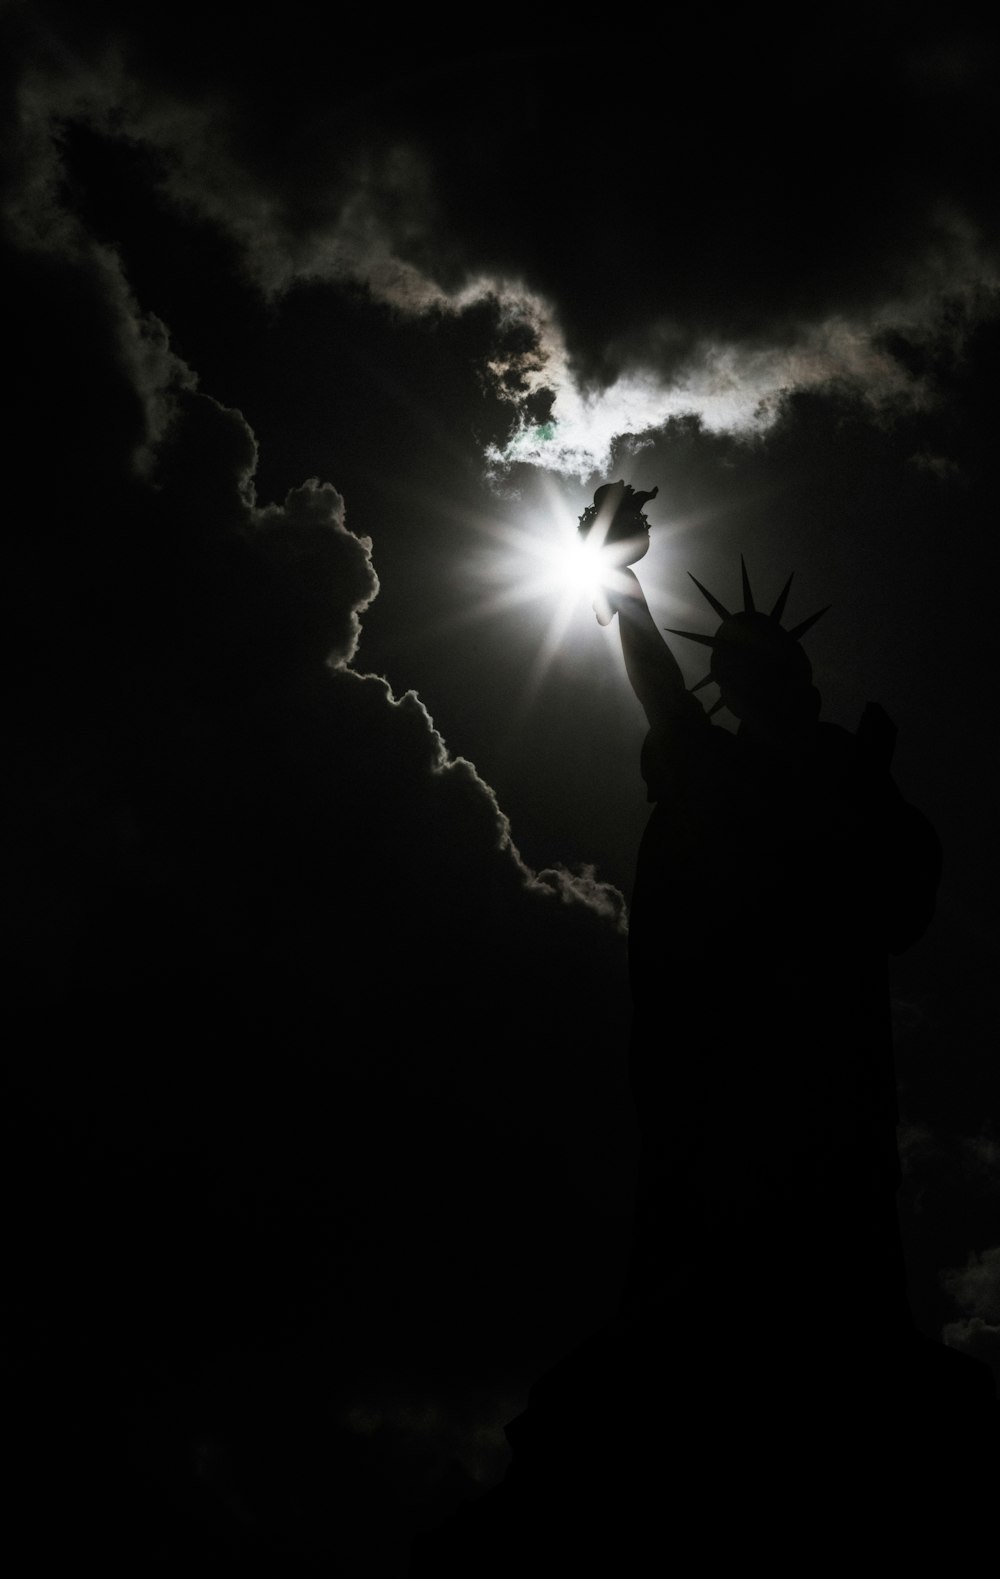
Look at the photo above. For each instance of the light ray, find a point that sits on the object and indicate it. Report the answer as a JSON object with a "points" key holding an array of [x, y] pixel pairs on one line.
{"points": [[543, 564]]}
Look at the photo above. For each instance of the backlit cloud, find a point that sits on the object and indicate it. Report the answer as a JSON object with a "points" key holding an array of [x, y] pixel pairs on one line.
{"points": [[340, 196]]}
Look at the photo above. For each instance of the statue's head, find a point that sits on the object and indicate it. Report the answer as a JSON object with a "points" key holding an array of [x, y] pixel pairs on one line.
{"points": [[763, 674], [758, 667]]}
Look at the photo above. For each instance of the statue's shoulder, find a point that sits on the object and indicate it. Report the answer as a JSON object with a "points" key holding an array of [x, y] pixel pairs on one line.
{"points": [[685, 749], [872, 741]]}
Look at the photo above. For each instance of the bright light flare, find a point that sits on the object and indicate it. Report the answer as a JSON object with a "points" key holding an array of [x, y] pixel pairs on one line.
{"points": [[588, 570], [533, 572], [568, 565], [553, 562], [548, 564]]}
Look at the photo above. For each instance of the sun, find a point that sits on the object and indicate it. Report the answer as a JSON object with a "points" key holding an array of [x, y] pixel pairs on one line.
{"points": [[554, 561], [543, 570], [537, 570], [548, 559]]}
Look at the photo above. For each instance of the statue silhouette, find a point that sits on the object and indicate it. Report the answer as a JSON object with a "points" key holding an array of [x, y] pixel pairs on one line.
{"points": [[779, 868], [764, 1321]]}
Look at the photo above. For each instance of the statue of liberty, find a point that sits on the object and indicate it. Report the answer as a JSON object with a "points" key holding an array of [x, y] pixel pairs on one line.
{"points": [[760, 1388], [779, 869]]}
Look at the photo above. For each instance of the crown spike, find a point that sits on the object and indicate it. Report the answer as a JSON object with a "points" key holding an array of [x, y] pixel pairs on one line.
{"points": [[719, 608], [748, 605], [706, 680], [800, 630], [715, 707], [779, 607], [706, 641]]}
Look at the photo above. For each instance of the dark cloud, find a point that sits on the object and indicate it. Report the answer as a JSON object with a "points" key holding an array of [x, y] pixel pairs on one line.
{"points": [[751, 186], [778, 193], [308, 1060], [976, 1286], [975, 1290]]}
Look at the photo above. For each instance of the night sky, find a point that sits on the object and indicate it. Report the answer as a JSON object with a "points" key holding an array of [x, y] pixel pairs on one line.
{"points": [[323, 785]]}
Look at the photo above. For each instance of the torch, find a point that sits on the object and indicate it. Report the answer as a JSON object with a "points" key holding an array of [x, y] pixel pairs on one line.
{"points": [[614, 530]]}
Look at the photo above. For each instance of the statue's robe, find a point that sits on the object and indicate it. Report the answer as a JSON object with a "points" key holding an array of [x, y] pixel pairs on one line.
{"points": [[772, 883], [762, 1391]]}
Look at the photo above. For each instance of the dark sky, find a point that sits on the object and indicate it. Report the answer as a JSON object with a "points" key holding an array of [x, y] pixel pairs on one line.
{"points": [[323, 803]]}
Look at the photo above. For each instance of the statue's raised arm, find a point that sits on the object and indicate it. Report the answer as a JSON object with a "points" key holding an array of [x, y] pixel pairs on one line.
{"points": [[616, 526]]}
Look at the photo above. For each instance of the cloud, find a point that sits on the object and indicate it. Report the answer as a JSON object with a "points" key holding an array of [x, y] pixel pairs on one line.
{"points": [[981, 1156], [431, 1440], [979, 1338], [317, 1063], [975, 1288], [376, 191], [274, 586], [730, 390], [919, 1149], [267, 887]]}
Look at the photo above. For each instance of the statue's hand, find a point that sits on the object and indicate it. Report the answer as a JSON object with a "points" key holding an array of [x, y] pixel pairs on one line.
{"points": [[622, 590], [604, 609]]}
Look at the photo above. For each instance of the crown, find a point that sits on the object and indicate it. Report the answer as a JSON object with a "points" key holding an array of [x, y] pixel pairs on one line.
{"points": [[752, 642]]}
